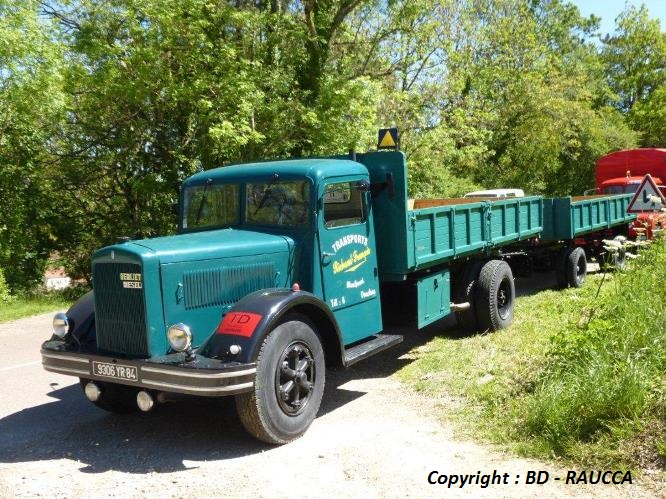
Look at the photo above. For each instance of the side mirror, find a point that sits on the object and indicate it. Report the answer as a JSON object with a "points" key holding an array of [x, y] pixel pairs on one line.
{"points": [[363, 185]]}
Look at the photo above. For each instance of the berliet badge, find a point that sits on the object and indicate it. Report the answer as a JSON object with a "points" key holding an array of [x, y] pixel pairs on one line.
{"points": [[131, 281]]}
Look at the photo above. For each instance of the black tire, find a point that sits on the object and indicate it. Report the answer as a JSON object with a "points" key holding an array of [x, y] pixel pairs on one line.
{"points": [[119, 399], [274, 411], [495, 296], [465, 291], [576, 267]]}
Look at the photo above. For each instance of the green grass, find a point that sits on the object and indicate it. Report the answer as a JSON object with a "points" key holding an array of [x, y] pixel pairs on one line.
{"points": [[577, 376], [26, 306]]}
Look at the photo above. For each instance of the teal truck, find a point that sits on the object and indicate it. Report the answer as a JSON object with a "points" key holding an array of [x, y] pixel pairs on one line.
{"points": [[281, 269]]}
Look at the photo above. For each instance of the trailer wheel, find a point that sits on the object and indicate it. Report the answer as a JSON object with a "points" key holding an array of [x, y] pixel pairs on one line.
{"points": [[495, 296], [289, 384], [465, 291], [119, 399], [576, 267]]}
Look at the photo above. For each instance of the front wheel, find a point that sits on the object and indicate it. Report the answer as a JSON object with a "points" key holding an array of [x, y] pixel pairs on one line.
{"points": [[289, 384]]}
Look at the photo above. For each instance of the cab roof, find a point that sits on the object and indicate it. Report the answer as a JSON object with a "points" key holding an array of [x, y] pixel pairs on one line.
{"points": [[287, 169]]}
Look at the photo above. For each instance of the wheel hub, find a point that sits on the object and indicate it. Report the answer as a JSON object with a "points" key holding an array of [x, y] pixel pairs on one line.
{"points": [[504, 299], [294, 378]]}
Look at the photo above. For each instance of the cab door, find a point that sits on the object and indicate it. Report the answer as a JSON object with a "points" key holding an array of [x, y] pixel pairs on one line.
{"points": [[348, 259]]}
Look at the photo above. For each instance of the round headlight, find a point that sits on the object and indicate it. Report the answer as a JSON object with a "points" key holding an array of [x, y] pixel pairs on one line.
{"points": [[180, 337], [60, 325]]}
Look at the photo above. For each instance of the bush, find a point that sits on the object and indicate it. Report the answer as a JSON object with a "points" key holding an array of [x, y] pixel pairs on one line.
{"points": [[5, 296], [605, 374]]}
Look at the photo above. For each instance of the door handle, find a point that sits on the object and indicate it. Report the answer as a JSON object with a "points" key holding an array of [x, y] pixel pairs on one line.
{"points": [[326, 257]]}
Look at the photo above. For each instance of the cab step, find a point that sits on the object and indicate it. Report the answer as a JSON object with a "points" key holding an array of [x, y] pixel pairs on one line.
{"points": [[370, 347]]}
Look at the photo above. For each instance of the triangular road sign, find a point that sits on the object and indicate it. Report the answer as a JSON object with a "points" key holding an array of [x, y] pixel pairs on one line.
{"points": [[648, 197], [387, 138]]}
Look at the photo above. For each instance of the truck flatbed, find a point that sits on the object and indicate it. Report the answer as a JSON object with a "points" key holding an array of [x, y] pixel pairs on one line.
{"points": [[416, 234], [570, 217], [445, 229]]}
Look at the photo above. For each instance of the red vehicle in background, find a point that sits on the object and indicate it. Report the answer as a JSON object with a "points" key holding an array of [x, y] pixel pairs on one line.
{"points": [[623, 171]]}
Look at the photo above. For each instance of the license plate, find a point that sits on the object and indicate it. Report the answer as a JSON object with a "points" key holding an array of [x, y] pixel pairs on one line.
{"points": [[117, 371]]}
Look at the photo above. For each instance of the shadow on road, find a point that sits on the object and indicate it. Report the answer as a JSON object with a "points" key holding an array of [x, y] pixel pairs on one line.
{"points": [[192, 429]]}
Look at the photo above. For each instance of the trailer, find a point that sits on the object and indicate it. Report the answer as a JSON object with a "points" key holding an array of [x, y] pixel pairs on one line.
{"points": [[568, 218], [283, 268]]}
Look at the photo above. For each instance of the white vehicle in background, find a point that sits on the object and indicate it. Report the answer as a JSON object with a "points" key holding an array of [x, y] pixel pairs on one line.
{"points": [[497, 194]]}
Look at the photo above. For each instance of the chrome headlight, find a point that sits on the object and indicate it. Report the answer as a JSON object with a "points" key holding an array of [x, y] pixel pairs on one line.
{"points": [[60, 325], [180, 337]]}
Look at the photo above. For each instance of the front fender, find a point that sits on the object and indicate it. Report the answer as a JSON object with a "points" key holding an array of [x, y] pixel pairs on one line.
{"points": [[249, 321], [81, 316]]}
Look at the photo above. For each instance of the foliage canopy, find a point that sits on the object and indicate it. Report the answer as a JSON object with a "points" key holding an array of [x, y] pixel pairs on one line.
{"points": [[108, 106]]}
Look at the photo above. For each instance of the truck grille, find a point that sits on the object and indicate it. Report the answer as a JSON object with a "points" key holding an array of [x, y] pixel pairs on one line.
{"points": [[120, 312], [225, 286]]}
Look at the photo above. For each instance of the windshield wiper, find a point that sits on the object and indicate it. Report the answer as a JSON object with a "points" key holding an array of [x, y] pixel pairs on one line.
{"points": [[203, 200], [266, 193]]}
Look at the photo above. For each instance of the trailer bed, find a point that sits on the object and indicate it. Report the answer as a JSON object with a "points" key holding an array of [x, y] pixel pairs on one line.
{"points": [[570, 217], [446, 229]]}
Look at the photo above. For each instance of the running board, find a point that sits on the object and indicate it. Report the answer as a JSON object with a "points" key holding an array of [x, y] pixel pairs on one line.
{"points": [[376, 344]]}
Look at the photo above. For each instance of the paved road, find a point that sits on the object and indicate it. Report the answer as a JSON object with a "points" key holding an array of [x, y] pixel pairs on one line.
{"points": [[373, 438]]}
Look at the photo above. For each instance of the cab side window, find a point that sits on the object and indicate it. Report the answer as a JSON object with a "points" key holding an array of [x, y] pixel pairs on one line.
{"points": [[343, 205]]}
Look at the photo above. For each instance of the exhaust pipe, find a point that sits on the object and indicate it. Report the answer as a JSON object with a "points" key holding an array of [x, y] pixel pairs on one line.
{"points": [[145, 401], [460, 307]]}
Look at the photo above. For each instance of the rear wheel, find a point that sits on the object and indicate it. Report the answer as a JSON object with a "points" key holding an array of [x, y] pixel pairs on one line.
{"points": [[495, 296], [576, 267], [289, 384], [119, 399]]}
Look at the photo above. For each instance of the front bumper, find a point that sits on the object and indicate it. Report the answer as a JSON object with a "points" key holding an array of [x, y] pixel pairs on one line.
{"points": [[170, 373]]}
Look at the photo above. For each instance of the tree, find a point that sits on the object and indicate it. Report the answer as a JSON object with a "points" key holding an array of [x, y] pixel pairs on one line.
{"points": [[635, 57], [539, 79], [649, 117], [31, 99]]}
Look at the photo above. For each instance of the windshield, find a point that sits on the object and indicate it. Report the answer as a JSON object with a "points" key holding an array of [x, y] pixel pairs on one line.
{"points": [[614, 189], [269, 203], [277, 203], [211, 206]]}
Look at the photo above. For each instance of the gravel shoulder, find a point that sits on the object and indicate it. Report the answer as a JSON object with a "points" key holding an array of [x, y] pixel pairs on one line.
{"points": [[374, 437]]}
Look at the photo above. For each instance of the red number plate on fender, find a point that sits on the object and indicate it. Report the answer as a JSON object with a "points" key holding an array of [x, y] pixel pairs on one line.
{"points": [[239, 323], [117, 371]]}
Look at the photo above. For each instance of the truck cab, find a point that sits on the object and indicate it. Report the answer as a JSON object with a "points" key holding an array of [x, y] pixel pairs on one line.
{"points": [[319, 210], [625, 185]]}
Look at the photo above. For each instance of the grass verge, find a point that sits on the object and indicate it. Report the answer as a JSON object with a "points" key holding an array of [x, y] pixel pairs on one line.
{"points": [[25, 306], [578, 376]]}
